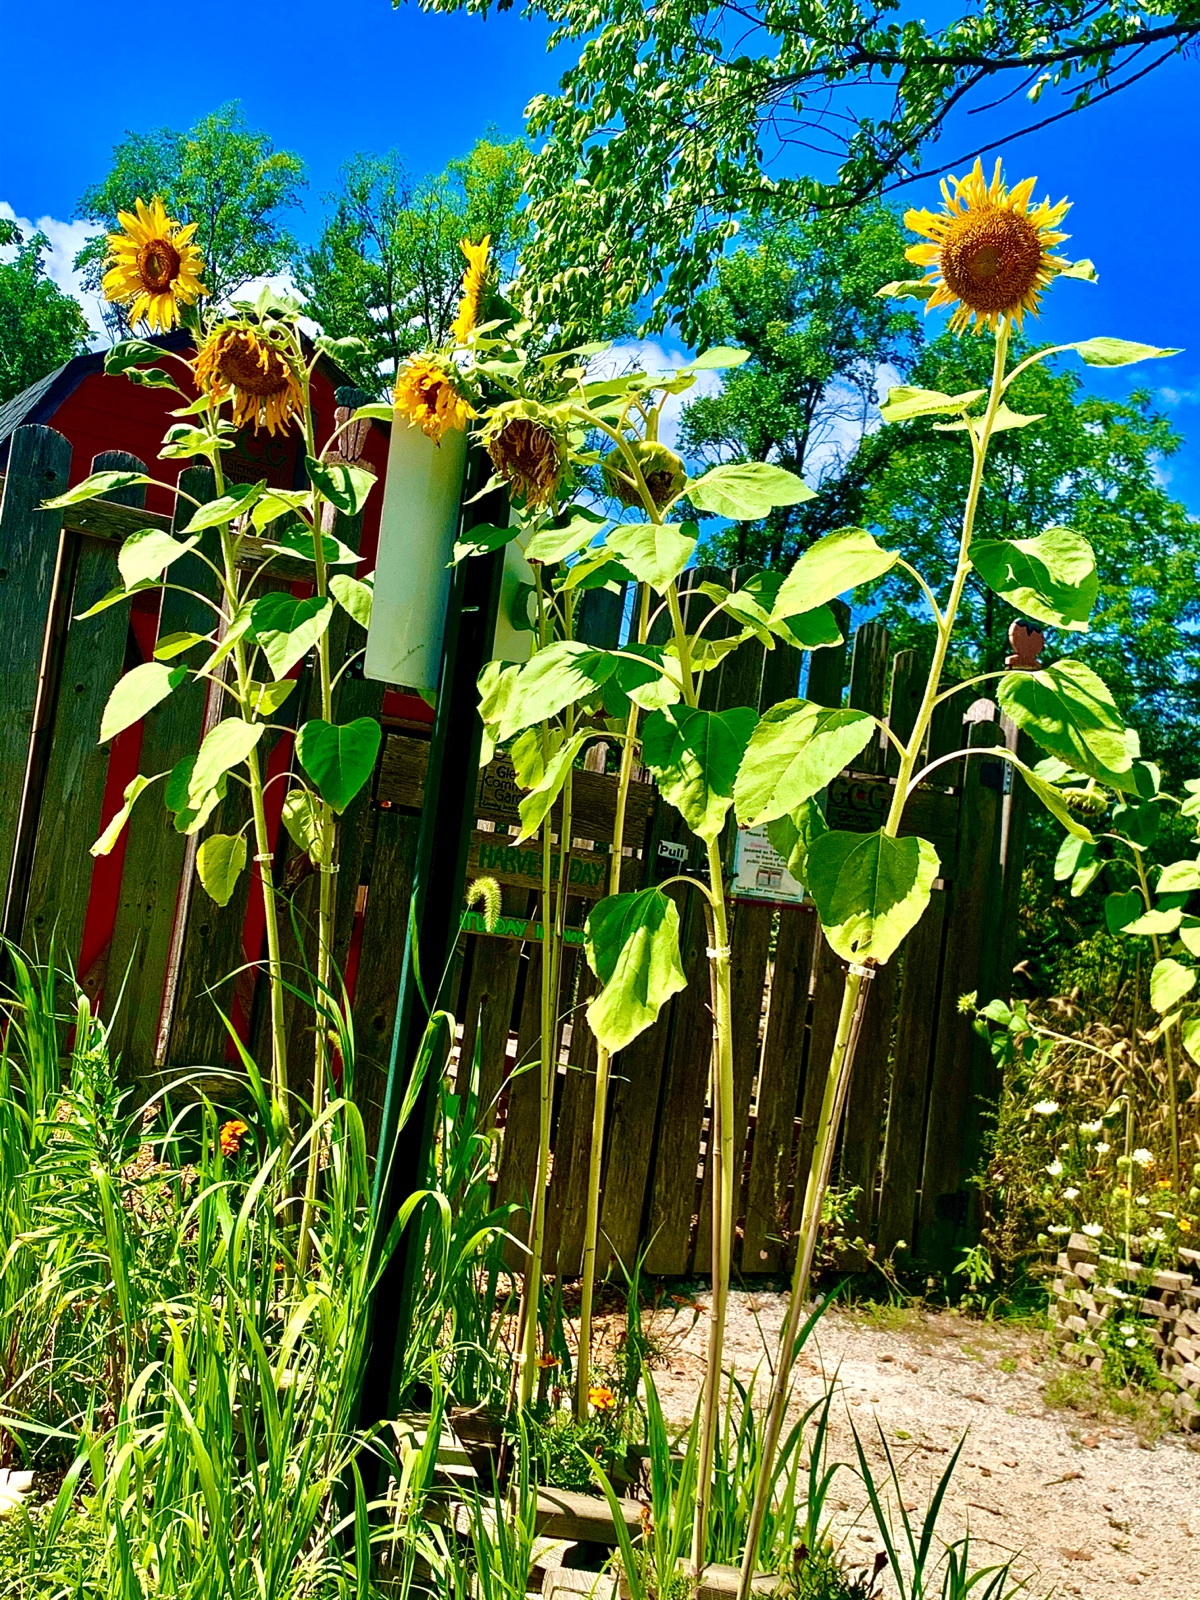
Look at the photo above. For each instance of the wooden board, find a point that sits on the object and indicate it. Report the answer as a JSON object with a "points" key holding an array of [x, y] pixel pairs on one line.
{"points": [[828, 987], [518, 1153], [904, 1139], [389, 871], [751, 941], [868, 686], [945, 1200], [862, 1128], [142, 949], [779, 1081], [76, 766], [486, 1009], [635, 1090], [827, 667], [674, 1175], [567, 1206], [39, 463], [904, 700]]}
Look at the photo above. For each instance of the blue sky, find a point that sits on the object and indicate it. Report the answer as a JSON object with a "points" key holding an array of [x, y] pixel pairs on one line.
{"points": [[359, 75]]}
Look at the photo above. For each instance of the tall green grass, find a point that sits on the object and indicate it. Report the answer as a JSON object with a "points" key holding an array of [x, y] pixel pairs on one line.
{"points": [[160, 1352]]}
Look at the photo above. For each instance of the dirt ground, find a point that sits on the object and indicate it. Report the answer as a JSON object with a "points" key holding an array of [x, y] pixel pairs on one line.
{"points": [[1088, 1505]]}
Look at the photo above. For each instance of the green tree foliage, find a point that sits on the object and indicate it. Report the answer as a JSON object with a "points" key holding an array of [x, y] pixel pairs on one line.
{"points": [[387, 267], [683, 118], [1093, 466], [40, 326], [223, 175], [802, 300]]}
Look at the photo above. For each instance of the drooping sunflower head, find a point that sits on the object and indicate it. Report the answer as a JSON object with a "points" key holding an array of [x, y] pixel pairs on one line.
{"points": [[474, 287], [663, 472], [242, 362], [991, 249], [427, 395], [153, 266], [529, 447]]}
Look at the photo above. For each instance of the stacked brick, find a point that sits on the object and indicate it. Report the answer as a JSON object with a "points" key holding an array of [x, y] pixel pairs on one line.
{"points": [[1090, 1289]]}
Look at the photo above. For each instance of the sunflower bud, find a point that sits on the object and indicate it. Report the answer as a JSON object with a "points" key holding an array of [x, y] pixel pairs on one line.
{"points": [[663, 471], [1089, 802]]}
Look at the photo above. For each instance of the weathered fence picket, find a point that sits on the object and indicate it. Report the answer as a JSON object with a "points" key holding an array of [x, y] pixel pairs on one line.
{"points": [[916, 1109]]}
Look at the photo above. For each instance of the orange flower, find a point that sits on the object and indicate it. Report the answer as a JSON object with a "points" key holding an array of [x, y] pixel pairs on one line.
{"points": [[601, 1397], [548, 1362], [230, 1137]]}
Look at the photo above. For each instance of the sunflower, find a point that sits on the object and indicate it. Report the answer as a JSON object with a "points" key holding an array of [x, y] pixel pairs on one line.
{"points": [[426, 395], [990, 251], [154, 267], [528, 446], [474, 284], [663, 473], [238, 361]]}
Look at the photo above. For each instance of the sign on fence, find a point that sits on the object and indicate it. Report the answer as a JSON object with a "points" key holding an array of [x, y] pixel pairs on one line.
{"points": [[760, 872]]}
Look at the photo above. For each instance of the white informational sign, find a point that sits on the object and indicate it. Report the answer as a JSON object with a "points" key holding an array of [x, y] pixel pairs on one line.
{"points": [[760, 872], [416, 544]]}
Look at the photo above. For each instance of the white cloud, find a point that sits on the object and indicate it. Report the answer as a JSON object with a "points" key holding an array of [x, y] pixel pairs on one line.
{"points": [[66, 241], [650, 355]]}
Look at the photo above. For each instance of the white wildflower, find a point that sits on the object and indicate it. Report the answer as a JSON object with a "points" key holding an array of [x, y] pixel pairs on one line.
{"points": [[1046, 1108], [1144, 1158], [1093, 1230], [1055, 1169], [1103, 1149], [1071, 1194], [1090, 1129]]}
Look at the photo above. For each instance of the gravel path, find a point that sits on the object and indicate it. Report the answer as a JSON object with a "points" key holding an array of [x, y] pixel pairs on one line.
{"points": [[1085, 1507]]}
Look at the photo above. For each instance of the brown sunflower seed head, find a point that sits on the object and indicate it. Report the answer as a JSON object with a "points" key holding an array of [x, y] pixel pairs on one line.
{"points": [[663, 471], [527, 443]]}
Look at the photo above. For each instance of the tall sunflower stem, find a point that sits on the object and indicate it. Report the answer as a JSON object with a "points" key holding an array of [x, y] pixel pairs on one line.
{"points": [[722, 1154], [591, 1227], [833, 1100], [548, 1063], [263, 854], [326, 869], [841, 1063]]}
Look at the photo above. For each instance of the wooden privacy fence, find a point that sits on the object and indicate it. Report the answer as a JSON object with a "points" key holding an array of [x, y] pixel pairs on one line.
{"points": [[911, 1137]]}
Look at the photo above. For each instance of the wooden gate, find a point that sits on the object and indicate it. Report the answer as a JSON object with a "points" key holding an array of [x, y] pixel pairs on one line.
{"points": [[911, 1137]]}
